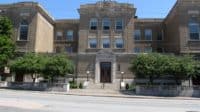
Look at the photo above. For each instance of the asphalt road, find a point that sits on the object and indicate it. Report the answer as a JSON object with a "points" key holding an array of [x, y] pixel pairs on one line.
{"points": [[27, 101]]}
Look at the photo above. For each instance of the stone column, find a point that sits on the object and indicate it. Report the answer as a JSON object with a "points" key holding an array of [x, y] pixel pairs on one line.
{"points": [[113, 71], [97, 72]]}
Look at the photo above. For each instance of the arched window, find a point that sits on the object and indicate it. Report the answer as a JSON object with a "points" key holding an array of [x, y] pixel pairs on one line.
{"points": [[193, 29], [23, 30]]}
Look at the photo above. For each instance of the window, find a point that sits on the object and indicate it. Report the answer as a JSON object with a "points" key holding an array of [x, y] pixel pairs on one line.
{"points": [[58, 49], [69, 35], [105, 43], [194, 29], [59, 35], [137, 35], [148, 49], [93, 24], [119, 43], [160, 36], [23, 30], [92, 42], [69, 49], [118, 67], [148, 34], [119, 24], [137, 50], [106, 24]]}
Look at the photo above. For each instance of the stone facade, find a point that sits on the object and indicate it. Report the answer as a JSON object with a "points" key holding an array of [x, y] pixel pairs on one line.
{"points": [[107, 35]]}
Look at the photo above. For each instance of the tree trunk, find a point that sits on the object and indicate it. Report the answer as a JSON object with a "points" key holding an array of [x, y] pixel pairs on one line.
{"points": [[34, 78], [151, 80]]}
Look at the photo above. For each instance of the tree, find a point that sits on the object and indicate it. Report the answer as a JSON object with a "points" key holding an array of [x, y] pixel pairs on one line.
{"points": [[57, 66], [5, 26], [30, 63], [155, 65], [149, 66], [7, 46]]}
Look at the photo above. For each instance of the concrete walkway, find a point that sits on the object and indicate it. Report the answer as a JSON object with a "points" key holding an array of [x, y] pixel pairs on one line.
{"points": [[105, 93], [118, 94]]}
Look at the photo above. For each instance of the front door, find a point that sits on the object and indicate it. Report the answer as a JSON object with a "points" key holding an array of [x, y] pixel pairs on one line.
{"points": [[105, 72]]}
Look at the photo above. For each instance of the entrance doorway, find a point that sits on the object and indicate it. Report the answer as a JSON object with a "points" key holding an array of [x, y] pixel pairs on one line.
{"points": [[105, 72]]}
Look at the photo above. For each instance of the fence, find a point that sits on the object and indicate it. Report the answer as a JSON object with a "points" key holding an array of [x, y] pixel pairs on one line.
{"points": [[167, 90], [35, 86]]}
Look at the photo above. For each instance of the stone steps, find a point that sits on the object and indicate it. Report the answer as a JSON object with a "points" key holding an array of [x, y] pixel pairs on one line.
{"points": [[105, 86]]}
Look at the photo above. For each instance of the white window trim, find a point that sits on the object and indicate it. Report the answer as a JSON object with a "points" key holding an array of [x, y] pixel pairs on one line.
{"points": [[193, 32], [91, 20], [18, 38]]}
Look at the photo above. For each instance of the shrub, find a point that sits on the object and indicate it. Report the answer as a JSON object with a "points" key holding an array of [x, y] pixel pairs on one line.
{"points": [[80, 86], [73, 85], [127, 86]]}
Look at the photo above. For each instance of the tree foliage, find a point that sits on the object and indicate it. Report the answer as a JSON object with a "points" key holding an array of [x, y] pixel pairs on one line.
{"points": [[156, 65], [29, 64], [5, 26], [7, 47], [58, 65], [47, 66]]}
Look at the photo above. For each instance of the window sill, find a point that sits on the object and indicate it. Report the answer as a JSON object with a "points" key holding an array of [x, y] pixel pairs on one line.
{"points": [[22, 40], [144, 40], [193, 40]]}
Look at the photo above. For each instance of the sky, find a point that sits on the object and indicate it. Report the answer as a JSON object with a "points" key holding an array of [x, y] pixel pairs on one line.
{"points": [[67, 9]]}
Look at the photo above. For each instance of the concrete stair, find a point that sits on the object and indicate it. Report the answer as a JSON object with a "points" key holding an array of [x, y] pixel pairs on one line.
{"points": [[104, 86]]}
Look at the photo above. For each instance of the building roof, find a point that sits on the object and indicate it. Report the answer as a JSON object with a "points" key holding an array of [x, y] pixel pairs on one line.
{"points": [[31, 4]]}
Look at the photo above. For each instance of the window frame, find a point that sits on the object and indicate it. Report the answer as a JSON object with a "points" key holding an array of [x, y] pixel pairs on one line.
{"points": [[116, 43], [196, 25], [102, 42], [138, 49], [93, 20], [134, 35], [25, 24], [69, 37], [116, 24], [106, 20], [146, 50], [89, 44], [145, 34]]}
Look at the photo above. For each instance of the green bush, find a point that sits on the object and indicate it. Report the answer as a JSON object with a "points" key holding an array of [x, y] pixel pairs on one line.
{"points": [[73, 85], [127, 86], [80, 86]]}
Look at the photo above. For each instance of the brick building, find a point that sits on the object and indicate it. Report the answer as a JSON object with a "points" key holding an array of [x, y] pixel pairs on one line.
{"points": [[107, 35]]}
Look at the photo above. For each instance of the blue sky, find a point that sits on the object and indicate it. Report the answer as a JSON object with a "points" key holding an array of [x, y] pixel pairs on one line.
{"points": [[62, 9]]}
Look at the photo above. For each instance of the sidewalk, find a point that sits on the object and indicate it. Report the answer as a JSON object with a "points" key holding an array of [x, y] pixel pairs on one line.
{"points": [[116, 94], [103, 93]]}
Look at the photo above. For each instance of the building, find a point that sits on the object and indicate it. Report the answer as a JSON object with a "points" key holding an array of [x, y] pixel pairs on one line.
{"points": [[107, 35]]}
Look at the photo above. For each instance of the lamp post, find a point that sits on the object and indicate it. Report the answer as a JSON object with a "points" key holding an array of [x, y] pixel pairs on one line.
{"points": [[122, 76], [122, 84], [88, 72]]}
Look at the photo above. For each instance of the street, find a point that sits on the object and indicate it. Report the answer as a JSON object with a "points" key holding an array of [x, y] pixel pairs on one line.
{"points": [[28, 101]]}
